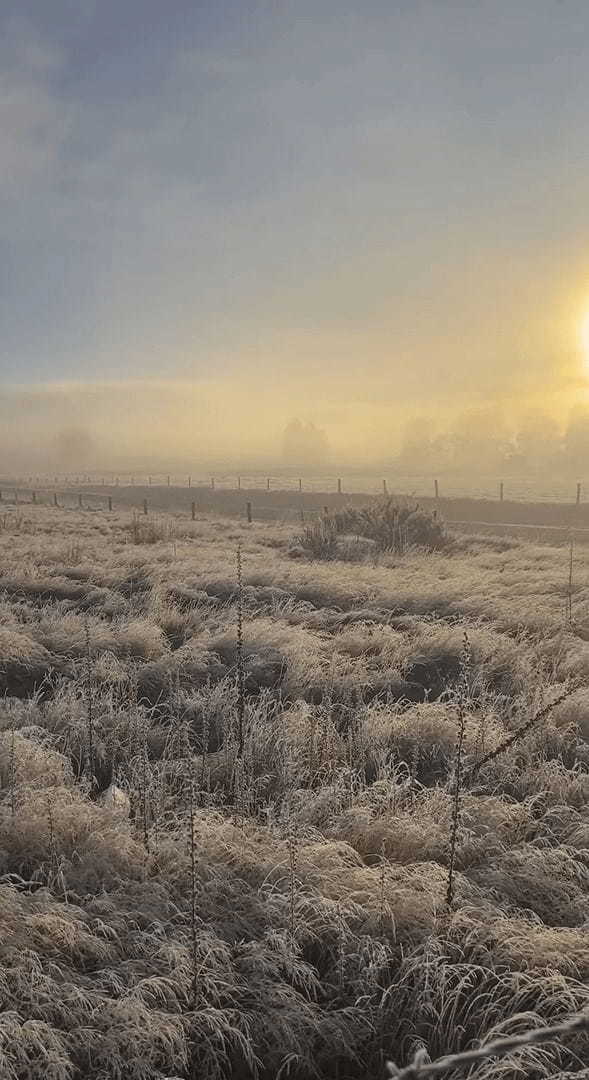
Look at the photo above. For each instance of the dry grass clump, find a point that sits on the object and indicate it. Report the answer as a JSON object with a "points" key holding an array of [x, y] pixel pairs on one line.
{"points": [[133, 638], [574, 713], [144, 530], [23, 762], [41, 591], [531, 946], [423, 737], [24, 663], [58, 829]]}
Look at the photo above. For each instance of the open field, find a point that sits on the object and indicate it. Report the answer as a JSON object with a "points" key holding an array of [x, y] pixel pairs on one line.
{"points": [[229, 814]]}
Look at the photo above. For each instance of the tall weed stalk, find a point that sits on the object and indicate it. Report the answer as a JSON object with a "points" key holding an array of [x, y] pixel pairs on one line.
{"points": [[239, 660], [89, 706], [193, 917], [463, 690], [12, 776], [569, 606]]}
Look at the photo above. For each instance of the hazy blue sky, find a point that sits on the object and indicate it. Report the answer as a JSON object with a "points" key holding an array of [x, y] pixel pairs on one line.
{"points": [[339, 205]]}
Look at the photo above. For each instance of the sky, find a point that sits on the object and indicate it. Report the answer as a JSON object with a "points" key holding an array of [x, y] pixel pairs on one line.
{"points": [[217, 216]]}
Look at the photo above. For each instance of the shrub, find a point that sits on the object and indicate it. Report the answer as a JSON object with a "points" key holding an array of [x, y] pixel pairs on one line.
{"points": [[391, 525], [385, 524]]}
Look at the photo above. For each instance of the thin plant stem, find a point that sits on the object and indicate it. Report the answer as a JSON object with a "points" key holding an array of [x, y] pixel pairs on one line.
{"points": [[12, 773], [456, 799], [193, 934], [239, 660], [89, 706], [570, 584]]}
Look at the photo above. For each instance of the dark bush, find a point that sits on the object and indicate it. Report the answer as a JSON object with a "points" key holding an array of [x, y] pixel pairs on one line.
{"points": [[392, 526]]}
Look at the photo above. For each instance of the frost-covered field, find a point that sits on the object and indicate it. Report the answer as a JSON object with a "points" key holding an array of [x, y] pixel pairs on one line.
{"points": [[171, 907]]}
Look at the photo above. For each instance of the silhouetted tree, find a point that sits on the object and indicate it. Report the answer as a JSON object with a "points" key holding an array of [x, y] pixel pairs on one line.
{"points": [[304, 444], [73, 447]]}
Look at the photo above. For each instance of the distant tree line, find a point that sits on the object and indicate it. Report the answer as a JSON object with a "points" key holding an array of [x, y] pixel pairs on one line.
{"points": [[480, 440], [304, 444]]}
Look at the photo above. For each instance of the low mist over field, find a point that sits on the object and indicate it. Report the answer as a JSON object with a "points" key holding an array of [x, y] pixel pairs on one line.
{"points": [[155, 426]]}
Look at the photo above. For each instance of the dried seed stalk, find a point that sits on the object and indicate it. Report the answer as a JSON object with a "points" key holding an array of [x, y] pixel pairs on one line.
{"points": [[193, 918], [89, 707], [463, 689], [239, 659]]}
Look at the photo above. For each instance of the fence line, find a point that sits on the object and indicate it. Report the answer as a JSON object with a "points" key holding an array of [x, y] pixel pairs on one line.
{"points": [[369, 484], [250, 511], [520, 525]]}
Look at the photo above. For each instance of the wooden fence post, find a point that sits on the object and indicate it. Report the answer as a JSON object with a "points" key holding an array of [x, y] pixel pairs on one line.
{"points": [[16, 497], [145, 506], [300, 485], [268, 484], [189, 481], [339, 487], [55, 502], [436, 489], [80, 504], [168, 481], [384, 488], [501, 491], [248, 510], [578, 494], [193, 510], [110, 503], [34, 496]]}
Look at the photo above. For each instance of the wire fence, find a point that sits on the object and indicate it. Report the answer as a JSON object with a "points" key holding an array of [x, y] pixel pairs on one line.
{"points": [[68, 500], [300, 507], [518, 489]]}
